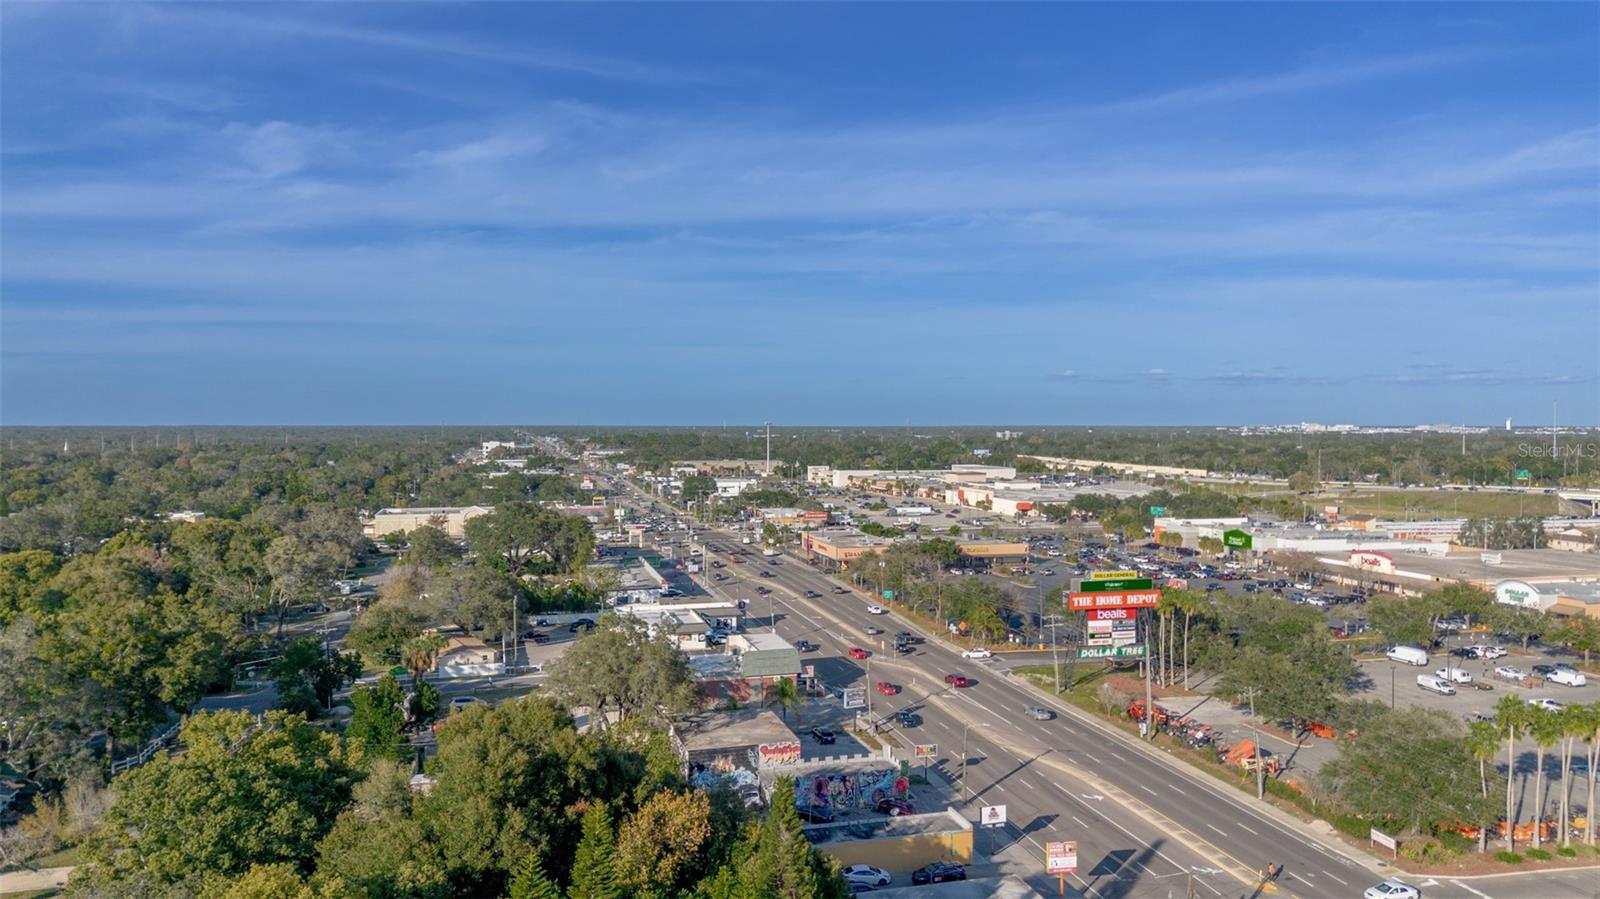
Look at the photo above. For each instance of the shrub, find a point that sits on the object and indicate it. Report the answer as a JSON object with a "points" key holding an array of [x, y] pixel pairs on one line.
{"points": [[1352, 825], [1427, 852], [1510, 858], [1567, 852], [1456, 842], [1538, 855]]}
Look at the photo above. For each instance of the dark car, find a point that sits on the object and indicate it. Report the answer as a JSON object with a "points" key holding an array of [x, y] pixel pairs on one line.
{"points": [[766, 573], [1544, 670], [805, 646], [819, 816], [812, 594], [840, 590], [584, 623], [540, 637], [824, 736], [906, 637], [908, 718], [939, 872], [763, 590]]}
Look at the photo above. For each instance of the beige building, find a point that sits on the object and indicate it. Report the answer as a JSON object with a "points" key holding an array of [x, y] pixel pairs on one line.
{"points": [[1575, 540], [450, 519]]}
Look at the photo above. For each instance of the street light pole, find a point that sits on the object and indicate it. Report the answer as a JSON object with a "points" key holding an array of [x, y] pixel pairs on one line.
{"points": [[965, 795]]}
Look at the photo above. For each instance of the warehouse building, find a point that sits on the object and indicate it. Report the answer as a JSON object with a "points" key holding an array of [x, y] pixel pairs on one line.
{"points": [[450, 519]]}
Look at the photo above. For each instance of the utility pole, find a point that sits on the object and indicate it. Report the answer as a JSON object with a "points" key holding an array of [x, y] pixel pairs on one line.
{"points": [[769, 449], [965, 795], [1261, 782], [1055, 658], [1149, 724]]}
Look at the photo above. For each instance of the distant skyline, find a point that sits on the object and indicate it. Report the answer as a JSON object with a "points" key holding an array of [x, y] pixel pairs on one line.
{"points": [[1125, 214]]}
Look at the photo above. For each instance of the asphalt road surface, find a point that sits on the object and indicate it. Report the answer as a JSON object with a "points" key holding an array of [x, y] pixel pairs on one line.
{"points": [[1143, 824]]}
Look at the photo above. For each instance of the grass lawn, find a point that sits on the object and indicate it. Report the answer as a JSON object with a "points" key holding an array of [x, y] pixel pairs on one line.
{"points": [[1421, 504]]}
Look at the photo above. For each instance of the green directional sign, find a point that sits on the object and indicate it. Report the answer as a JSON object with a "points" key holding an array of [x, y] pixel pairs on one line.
{"points": [[1134, 583], [1237, 539], [1522, 474], [1158, 511], [1132, 651], [888, 594]]}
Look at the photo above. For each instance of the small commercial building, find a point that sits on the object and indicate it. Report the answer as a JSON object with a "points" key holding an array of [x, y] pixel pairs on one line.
{"points": [[727, 742], [467, 656], [838, 548], [751, 666], [987, 552], [782, 517], [1575, 540], [450, 519], [1564, 598]]}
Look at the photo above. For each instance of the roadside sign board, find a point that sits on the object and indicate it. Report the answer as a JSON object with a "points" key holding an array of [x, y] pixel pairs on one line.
{"points": [[1237, 539], [1132, 651], [888, 594], [992, 816], [1522, 474], [1382, 839], [1111, 575], [1098, 640], [1158, 511], [1113, 615], [925, 750], [1138, 599], [1061, 857], [855, 697], [1110, 586]]}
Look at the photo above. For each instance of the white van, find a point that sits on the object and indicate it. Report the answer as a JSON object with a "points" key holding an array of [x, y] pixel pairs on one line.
{"points": [[1410, 655], [1453, 676], [1434, 684], [1569, 676]]}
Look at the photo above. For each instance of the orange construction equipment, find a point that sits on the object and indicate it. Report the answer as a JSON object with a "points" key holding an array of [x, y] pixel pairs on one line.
{"points": [[1243, 754], [1319, 729]]}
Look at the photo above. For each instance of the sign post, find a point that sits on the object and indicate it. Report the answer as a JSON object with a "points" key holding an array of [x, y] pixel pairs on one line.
{"points": [[1382, 839], [992, 816], [925, 751], [1061, 859]]}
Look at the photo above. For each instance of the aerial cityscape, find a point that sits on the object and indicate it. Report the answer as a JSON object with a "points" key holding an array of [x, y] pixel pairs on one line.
{"points": [[792, 451]]}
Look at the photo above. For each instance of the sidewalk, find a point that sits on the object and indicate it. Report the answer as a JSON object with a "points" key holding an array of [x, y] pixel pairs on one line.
{"points": [[30, 881]]}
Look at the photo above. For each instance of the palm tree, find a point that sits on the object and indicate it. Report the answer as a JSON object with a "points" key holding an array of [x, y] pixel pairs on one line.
{"points": [[1509, 714], [1191, 604], [1545, 728], [785, 694], [1591, 816], [1483, 741], [1574, 723], [419, 654]]}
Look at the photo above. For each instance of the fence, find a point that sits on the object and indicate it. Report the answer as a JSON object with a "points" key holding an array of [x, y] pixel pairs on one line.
{"points": [[156, 744]]}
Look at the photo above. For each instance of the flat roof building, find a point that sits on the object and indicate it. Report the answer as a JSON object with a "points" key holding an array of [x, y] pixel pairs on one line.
{"points": [[839, 547], [450, 519]]}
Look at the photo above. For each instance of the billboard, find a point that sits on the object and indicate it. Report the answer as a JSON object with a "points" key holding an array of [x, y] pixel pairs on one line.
{"points": [[1061, 857], [1135, 599], [992, 816], [1119, 614], [925, 750]]}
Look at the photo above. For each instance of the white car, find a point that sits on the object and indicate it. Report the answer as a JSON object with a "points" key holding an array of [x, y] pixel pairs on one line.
{"points": [[1392, 889], [1510, 672], [877, 610], [1483, 651], [1549, 705], [1568, 675], [870, 875], [978, 653]]}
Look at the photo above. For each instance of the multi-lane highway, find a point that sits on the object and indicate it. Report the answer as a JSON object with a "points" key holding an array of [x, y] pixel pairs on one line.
{"points": [[1146, 824]]}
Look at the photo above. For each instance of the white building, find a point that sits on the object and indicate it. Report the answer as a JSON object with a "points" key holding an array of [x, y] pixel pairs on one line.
{"points": [[450, 519]]}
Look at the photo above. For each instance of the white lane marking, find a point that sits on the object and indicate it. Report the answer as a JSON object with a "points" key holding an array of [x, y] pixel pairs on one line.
{"points": [[1218, 829], [1026, 784], [1148, 790], [1242, 827], [1301, 879], [1471, 890], [1081, 822], [1092, 756], [1331, 877], [1175, 789]]}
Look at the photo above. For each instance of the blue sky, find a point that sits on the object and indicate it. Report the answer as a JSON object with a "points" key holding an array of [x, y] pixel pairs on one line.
{"points": [[1069, 213]]}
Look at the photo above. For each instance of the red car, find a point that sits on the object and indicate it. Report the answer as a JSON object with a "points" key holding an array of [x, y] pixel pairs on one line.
{"points": [[857, 652], [887, 688], [956, 680], [896, 807]]}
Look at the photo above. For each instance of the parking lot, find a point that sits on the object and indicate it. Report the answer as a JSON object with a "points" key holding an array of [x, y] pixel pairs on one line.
{"points": [[1388, 679]]}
